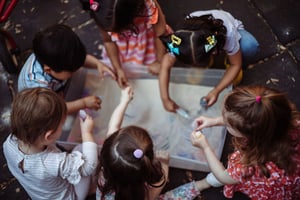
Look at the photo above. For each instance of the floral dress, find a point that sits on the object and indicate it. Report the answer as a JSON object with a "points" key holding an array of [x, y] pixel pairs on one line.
{"points": [[258, 187]]}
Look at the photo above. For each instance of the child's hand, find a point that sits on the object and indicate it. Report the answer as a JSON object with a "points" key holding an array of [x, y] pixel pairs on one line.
{"points": [[170, 105], [86, 124], [127, 94], [121, 78], [102, 69], [211, 97], [199, 140], [92, 102], [203, 122], [163, 156]]}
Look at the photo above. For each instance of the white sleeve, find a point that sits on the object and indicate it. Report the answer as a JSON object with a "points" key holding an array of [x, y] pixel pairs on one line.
{"points": [[90, 153], [78, 164]]}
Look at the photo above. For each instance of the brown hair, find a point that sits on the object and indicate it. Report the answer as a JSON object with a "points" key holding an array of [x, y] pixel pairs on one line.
{"points": [[124, 173], [36, 111], [264, 116]]}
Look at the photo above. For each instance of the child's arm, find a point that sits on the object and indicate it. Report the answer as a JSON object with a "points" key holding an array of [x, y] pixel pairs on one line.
{"points": [[91, 102], [113, 54], [204, 122], [217, 168], [164, 158], [228, 78], [118, 114], [89, 147], [164, 78], [93, 63]]}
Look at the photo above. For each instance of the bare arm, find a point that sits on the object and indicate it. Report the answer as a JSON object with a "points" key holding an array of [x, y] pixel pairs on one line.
{"points": [[113, 54], [229, 76], [204, 122], [214, 163], [164, 78], [91, 102], [93, 63], [118, 114]]}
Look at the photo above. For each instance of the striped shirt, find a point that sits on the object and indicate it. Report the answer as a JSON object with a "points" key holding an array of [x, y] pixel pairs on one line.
{"points": [[137, 48]]}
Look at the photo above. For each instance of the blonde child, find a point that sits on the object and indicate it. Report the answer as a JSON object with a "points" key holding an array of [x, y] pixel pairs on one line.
{"points": [[200, 35], [130, 169], [266, 135], [44, 171]]}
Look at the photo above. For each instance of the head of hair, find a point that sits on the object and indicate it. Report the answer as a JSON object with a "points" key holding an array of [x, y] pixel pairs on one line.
{"points": [[193, 32], [119, 15], [264, 122], [36, 111], [123, 172], [60, 48]]}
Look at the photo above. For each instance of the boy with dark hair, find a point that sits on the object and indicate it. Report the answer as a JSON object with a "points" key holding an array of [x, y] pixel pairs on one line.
{"points": [[57, 54]]}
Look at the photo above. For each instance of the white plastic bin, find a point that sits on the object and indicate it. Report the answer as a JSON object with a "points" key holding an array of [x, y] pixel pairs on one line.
{"points": [[169, 131]]}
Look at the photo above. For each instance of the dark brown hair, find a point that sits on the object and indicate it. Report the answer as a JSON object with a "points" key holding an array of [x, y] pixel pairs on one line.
{"points": [[36, 111], [265, 117], [193, 32], [125, 174], [119, 15]]}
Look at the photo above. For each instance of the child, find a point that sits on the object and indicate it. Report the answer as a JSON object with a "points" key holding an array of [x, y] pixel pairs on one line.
{"points": [[128, 167], [266, 136], [57, 54], [130, 31], [200, 35], [45, 172]]}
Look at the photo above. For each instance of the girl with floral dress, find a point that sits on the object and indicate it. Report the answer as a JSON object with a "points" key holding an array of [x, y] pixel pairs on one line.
{"points": [[265, 127]]}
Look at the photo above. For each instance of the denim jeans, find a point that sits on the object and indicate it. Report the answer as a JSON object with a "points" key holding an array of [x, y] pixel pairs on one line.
{"points": [[248, 44]]}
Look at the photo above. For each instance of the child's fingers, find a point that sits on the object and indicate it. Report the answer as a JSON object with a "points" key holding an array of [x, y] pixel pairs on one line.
{"points": [[198, 134]]}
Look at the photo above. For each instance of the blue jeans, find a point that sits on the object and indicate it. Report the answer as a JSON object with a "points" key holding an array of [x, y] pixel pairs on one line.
{"points": [[248, 44]]}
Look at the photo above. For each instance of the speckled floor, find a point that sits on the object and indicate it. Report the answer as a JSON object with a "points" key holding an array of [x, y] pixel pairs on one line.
{"points": [[275, 24]]}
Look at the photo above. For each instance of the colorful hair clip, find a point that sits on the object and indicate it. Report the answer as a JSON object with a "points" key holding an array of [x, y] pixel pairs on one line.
{"points": [[174, 40], [138, 153], [211, 43], [258, 99]]}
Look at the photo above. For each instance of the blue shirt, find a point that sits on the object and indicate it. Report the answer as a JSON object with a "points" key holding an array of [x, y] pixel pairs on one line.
{"points": [[33, 75]]}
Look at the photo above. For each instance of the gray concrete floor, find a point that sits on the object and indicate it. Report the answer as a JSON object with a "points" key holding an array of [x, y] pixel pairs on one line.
{"points": [[275, 24]]}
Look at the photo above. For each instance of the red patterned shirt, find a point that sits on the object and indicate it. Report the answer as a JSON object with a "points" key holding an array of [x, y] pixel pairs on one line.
{"points": [[278, 186]]}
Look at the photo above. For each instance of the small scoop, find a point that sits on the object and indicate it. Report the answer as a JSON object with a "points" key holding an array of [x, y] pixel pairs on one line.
{"points": [[183, 113]]}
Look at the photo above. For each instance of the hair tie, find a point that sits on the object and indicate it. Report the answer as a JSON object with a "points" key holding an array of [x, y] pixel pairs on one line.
{"points": [[174, 40], [258, 99], [138, 153], [94, 5], [211, 43]]}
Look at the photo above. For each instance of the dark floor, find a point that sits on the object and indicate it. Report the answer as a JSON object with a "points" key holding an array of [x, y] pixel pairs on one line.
{"points": [[275, 24]]}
